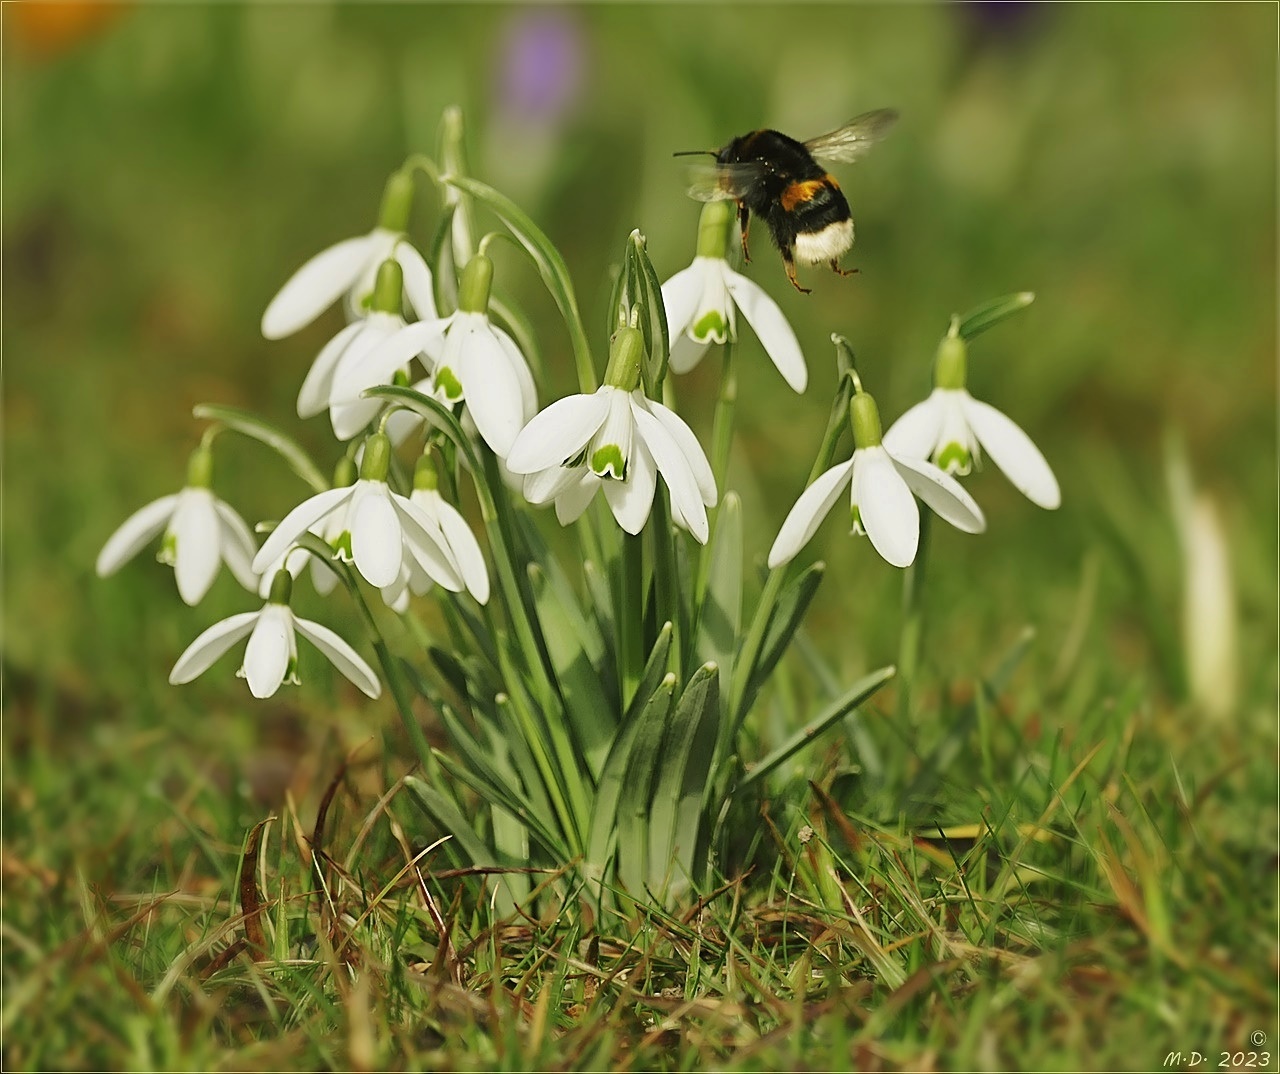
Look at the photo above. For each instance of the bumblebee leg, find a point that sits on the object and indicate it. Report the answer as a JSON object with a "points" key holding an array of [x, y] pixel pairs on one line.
{"points": [[744, 222], [791, 275], [835, 267]]}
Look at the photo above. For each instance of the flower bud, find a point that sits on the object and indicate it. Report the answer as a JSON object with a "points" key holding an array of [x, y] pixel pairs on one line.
{"points": [[625, 356], [475, 285], [950, 369], [397, 199], [864, 416], [200, 469], [425, 476], [281, 588], [388, 287], [714, 228], [377, 458]]}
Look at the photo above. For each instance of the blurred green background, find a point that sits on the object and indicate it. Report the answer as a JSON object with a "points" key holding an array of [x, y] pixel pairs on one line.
{"points": [[167, 167]]}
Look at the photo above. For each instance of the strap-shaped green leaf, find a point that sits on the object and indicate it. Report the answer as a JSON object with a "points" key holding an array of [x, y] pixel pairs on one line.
{"points": [[604, 809], [636, 794], [550, 265], [688, 751], [720, 617], [828, 717], [591, 714], [787, 615], [451, 819], [988, 314], [256, 428]]}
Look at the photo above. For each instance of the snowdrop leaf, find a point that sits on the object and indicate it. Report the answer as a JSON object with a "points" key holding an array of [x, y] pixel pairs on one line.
{"points": [[547, 260], [442, 810], [636, 794], [688, 750], [787, 616], [836, 711], [989, 314], [720, 618], [254, 427]]}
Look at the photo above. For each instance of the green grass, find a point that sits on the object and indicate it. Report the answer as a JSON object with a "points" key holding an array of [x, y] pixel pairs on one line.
{"points": [[1107, 892]]}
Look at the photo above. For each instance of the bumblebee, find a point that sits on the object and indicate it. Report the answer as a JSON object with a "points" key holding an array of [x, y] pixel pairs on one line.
{"points": [[783, 183]]}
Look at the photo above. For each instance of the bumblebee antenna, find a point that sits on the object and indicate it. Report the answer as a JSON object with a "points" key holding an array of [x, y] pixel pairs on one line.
{"points": [[696, 153]]}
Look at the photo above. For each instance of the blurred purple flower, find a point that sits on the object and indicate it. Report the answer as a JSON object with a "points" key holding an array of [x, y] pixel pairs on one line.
{"points": [[541, 66]]}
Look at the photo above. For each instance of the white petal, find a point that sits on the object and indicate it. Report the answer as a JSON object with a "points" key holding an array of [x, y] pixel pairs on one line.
{"points": [[465, 548], [427, 544], [340, 655], [943, 493], [323, 576], [524, 376], [316, 286], [763, 314], [399, 349], [197, 543], [238, 545], [689, 446], [417, 281], [491, 389], [313, 397], [297, 522], [888, 511], [806, 516], [680, 296], [574, 500], [631, 500], [558, 433], [686, 353], [134, 533], [210, 645], [348, 412], [546, 485], [686, 500], [915, 434], [270, 648], [1012, 450], [377, 541]]}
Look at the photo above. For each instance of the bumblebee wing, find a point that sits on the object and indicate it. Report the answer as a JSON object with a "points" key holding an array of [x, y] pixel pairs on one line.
{"points": [[848, 143], [720, 182]]}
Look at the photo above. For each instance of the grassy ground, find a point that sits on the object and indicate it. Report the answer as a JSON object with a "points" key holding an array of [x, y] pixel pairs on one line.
{"points": [[1063, 859]]}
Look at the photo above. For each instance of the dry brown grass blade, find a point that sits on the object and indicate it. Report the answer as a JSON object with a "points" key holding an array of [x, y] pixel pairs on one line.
{"points": [[251, 905]]}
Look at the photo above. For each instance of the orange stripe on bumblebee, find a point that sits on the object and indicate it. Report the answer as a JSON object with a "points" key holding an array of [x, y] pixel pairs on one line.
{"points": [[796, 193]]}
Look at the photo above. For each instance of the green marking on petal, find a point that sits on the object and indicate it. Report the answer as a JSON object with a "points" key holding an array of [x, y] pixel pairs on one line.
{"points": [[954, 459], [342, 547], [291, 673], [448, 383], [857, 520], [168, 553], [607, 461], [711, 324]]}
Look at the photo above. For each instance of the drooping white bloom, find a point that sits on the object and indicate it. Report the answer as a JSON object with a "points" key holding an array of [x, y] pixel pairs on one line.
{"points": [[271, 657], [350, 267], [200, 533], [619, 441], [881, 496], [377, 525], [701, 302], [952, 427], [471, 360]]}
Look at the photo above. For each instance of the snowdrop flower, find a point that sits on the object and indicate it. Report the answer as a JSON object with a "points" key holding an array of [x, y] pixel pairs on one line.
{"points": [[350, 268], [271, 657], [343, 370], [618, 440], [377, 526], [200, 533], [323, 576], [701, 301], [882, 485], [471, 361], [952, 427]]}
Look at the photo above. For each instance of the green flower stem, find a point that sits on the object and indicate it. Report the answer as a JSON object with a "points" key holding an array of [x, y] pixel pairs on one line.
{"points": [[721, 441], [671, 608], [453, 153], [913, 581], [837, 422], [631, 654]]}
